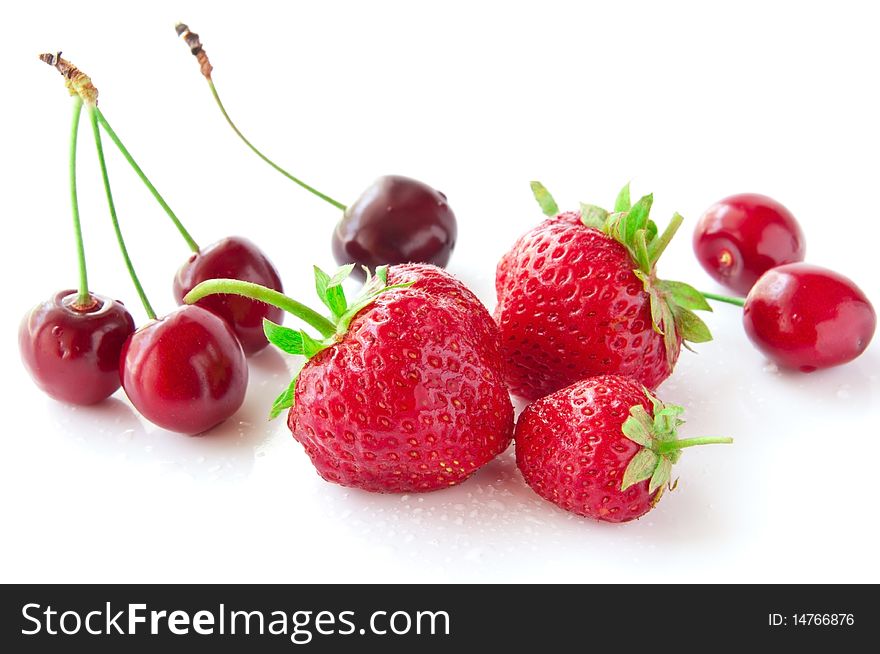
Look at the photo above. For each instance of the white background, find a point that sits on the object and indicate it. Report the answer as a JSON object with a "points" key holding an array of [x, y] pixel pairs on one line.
{"points": [[692, 101]]}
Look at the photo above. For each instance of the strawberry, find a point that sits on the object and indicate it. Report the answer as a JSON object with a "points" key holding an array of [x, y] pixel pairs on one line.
{"points": [[405, 391], [578, 296], [602, 447]]}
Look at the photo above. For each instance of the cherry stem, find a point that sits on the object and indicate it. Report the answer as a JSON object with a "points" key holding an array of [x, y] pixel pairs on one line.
{"points": [[659, 244], [83, 298], [281, 170], [738, 301], [262, 294], [672, 446], [140, 173], [113, 217]]}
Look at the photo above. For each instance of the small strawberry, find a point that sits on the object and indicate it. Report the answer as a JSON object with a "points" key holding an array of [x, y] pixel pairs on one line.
{"points": [[578, 296], [601, 448], [404, 392]]}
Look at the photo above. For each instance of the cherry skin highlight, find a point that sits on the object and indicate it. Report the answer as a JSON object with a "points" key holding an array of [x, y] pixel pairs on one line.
{"points": [[185, 372], [396, 220], [73, 353], [233, 258], [806, 317], [741, 237]]}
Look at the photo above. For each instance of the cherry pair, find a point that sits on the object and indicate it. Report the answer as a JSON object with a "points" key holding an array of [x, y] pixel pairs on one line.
{"points": [[800, 316], [186, 371]]}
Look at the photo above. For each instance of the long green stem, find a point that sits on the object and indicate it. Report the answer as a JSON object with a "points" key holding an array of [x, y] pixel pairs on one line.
{"points": [[281, 170], [140, 173], [83, 299], [113, 217], [262, 294], [738, 301], [671, 446]]}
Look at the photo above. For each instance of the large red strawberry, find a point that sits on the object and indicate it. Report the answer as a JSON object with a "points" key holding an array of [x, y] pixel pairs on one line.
{"points": [[405, 390], [578, 296], [603, 447]]}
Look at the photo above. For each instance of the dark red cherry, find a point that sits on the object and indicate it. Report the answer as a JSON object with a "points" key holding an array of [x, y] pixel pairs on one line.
{"points": [[185, 372], [73, 353], [806, 317], [233, 258], [396, 220], [741, 237]]}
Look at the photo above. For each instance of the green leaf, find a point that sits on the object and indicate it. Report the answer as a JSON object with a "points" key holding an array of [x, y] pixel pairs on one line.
{"points": [[637, 218], [641, 467], [635, 429], [650, 231], [342, 273], [684, 295], [670, 337], [661, 474], [593, 216], [657, 304], [545, 200], [690, 326], [330, 291], [622, 202], [640, 252], [310, 347], [283, 401], [284, 338]]}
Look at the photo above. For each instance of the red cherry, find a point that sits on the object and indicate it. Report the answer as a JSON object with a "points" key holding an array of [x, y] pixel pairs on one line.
{"points": [[806, 317], [741, 237], [233, 258], [396, 220], [73, 353], [185, 372]]}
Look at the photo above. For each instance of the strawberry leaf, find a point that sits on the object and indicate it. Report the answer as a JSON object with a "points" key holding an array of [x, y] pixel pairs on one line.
{"points": [[283, 401], [637, 218], [638, 429], [310, 347], [622, 202], [661, 474], [284, 338], [329, 289], [641, 467], [690, 326], [342, 273], [545, 200], [684, 295], [593, 216], [640, 251]]}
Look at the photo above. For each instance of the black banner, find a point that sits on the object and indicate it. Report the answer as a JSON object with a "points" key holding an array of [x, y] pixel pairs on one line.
{"points": [[428, 618]]}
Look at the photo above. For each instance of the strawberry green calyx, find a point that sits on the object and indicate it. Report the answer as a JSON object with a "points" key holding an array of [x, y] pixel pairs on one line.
{"points": [[298, 341], [672, 303], [661, 447]]}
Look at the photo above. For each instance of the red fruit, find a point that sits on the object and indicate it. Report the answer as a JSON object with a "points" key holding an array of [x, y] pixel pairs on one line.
{"points": [[573, 302], [741, 237], [73, 353], [806, 317], [412, 397], [185, 372], [234, 258], [396, 220], [572, 450]]}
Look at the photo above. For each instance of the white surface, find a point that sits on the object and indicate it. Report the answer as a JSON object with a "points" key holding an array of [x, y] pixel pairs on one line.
{"points": [[692, 101]]}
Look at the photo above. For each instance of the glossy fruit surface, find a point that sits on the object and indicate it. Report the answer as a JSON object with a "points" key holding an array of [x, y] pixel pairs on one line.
{"points": [[396, 220], [185, 372], [570, 306], [73, 354], [233, 258], [571, 448], [412, 398], [806, 317], [741, 237]]}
